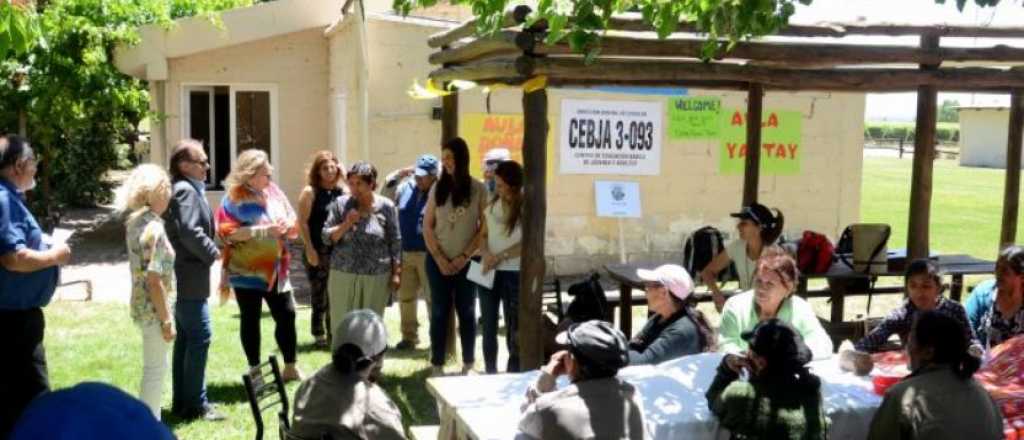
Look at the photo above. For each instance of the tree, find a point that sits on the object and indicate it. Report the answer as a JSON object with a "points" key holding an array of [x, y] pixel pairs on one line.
{"points": [[78, 106], [19, 31], [582, 21], [948, 111]]}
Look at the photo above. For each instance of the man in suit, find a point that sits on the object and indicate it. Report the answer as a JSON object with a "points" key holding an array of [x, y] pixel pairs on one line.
{"points": [[189, 224]]}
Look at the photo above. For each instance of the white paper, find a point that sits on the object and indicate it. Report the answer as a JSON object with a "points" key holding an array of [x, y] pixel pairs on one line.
{"points": [[610, 137], [61, 235], [617, 199], [476, 275]]}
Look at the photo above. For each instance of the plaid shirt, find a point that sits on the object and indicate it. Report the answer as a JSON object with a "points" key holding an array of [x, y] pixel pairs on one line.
{"points": [[900, 320]]}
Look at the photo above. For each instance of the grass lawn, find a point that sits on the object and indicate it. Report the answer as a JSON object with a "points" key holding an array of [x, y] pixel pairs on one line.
{"points": [[97, 342]]}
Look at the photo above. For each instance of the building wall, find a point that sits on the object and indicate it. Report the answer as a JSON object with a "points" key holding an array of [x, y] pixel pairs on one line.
{"points": [[296, 63], [983, 134], [690, 193]]}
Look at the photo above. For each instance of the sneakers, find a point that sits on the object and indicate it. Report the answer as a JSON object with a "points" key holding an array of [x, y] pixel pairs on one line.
{"points": [[405, 345], [467, 370], [207, 412]]}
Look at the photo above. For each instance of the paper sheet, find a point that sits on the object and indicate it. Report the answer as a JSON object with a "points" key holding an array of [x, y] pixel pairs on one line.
{"points": [[476, 275]]}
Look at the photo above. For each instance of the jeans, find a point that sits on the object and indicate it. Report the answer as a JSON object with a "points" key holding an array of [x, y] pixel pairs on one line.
{"points": [[504, 294], [191, 347], [23, 371], [154, 366], [282, 309], [320, 324], [444, 292]]}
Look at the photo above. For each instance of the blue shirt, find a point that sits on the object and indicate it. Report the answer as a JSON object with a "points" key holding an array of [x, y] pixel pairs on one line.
{"points": [[412, 206], [19, 230]]}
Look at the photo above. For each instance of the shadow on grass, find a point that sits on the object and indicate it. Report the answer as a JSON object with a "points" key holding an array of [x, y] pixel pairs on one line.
{"points": [[411, 396], [227, 393], [418, 354], [310, 347]]}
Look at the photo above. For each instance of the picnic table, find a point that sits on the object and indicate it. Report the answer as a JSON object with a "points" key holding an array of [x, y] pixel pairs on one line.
{"points": [[489, 407], [841, 277]]}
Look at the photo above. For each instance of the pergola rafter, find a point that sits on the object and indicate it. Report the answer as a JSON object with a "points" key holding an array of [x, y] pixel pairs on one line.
{"points": [[810, 60]]}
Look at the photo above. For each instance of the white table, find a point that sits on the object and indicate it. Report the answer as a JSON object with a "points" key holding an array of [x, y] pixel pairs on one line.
{"points": [[488, 407]]}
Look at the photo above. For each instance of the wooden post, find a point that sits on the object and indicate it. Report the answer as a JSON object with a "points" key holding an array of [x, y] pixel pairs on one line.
{"points": [[1011, 192], [531, 276], [449, 116], [924, 154], [752, 169]]}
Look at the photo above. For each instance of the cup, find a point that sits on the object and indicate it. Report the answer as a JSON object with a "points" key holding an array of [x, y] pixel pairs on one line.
{"points": [[883, 382]]}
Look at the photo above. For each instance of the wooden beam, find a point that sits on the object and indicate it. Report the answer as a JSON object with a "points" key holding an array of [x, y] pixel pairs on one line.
{"points": [[924, 155], [481, 70], [634, 22], [504, 43], [1011, 191], [449, 116], [752, 166], [733, 85], [513, 17], [852, 79], [531, 276], [789, 54]]}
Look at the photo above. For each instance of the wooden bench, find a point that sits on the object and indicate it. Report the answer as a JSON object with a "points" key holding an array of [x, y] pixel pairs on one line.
{"points": [[424, 432]]}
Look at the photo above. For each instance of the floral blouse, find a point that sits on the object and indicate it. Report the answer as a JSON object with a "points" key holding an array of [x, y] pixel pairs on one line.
{"points": [[149, 251]]}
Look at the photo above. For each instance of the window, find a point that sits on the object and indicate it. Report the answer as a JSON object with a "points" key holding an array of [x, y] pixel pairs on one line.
{"points": [[229, 119]]}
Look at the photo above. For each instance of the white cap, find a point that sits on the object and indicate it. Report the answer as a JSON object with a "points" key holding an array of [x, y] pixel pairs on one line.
{"points": [[674, 277], [496, 155], [364, 329]]}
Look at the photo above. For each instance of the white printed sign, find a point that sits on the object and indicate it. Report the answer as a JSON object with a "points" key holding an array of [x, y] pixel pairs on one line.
{"points": [[617, 199], [610, 137]]}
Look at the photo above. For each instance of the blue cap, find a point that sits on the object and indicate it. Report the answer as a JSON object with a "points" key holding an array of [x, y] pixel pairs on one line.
{"points": [[426, 165], [89, 410]]}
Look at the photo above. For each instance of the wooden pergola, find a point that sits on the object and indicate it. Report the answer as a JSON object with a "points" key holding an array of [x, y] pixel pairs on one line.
{"points": [[631, 55]]}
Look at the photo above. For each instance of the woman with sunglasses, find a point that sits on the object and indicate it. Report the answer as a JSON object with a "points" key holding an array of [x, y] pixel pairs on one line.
{"points": [[758, 228], [775, 282]]}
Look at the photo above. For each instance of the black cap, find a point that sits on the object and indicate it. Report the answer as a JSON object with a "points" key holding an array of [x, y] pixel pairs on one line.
{"points": [[598, 342], [756, 213], [779, 343]]}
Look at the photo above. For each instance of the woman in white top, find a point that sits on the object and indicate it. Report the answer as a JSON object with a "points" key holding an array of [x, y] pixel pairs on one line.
{"points": [[758, 228], [501, 245]]}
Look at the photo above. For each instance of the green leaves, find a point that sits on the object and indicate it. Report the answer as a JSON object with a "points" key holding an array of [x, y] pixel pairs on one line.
{"points": [[584, 21], [19, 31]]}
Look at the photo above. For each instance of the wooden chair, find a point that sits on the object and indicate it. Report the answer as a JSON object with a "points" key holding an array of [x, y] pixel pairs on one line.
{"points": [[265, 389]]}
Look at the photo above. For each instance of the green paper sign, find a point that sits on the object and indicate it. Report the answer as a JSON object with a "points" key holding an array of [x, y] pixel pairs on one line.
{"points": [[781, 142], [694, 117]]}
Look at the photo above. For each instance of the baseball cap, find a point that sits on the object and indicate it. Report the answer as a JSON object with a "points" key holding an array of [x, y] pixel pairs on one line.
{"points": [[672, 276], [756, 213], [598, 342], [426, 165], [779, 343], [89, 410], [364, 329], [495, 156]]}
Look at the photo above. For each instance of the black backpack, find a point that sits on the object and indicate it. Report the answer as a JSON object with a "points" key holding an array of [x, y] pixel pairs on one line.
{"points": [[700, 248]]}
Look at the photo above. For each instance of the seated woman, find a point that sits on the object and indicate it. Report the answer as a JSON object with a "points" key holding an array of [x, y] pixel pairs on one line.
{"points": [[758, 228], [782, 399], [676, 328], [995, 309], [772, 297], [923, 284], [940, 399]]}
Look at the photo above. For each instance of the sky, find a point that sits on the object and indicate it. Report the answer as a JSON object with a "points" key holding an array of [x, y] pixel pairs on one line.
{"points": [[902, 106]]}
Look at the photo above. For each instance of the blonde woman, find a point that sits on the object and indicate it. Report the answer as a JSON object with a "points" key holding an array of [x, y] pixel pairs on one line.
{"points": [[144, 198], [254, 221]]}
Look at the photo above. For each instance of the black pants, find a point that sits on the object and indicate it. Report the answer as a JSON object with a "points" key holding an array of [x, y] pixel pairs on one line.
{"points": [[23, 374], [320, 325], [282, 309]]}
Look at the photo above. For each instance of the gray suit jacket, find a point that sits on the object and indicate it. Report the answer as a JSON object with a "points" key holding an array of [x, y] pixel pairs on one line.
{"points": [[189, 224]]}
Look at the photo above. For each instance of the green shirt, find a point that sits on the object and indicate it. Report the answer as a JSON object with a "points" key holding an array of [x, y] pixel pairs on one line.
{"points": [[740, 315], [765, 410]]}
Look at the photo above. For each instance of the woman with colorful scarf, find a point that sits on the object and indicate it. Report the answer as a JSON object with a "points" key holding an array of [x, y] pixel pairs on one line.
{"points": [[255, 221]]}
